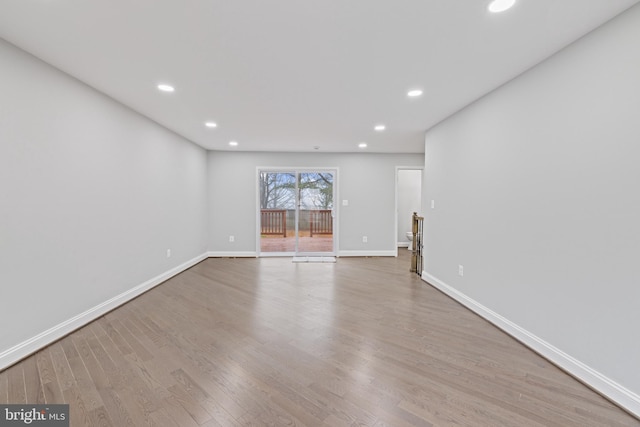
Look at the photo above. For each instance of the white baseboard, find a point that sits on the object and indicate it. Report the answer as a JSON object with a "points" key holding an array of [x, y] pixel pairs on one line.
{"points": [[230, 254], [627, 399], [404, 244], [367, 253], [30, 346]]}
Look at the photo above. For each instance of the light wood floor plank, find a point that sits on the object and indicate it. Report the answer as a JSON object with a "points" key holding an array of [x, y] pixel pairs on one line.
{"points": [[100, 417], [4, 389], [50, 386], [16, 389], [84, 385], [61, 366], [32, 381], [78, 411], [268, 342]]}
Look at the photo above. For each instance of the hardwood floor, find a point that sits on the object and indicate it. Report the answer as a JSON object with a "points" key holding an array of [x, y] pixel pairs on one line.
{"points": [[268, 342]]}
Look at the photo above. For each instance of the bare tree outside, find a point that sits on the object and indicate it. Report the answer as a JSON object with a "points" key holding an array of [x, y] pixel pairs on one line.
{"points": [[277, 190], [317, 188]]}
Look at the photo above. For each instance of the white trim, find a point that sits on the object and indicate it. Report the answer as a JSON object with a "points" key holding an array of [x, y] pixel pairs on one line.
{"points": [[392, 253], [404, 244], [232, 254], [33, 344], [622, 396]]}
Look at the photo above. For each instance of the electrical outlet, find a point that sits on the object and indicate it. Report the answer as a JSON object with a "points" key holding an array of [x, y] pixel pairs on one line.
{"points": [[460, 270], [364, 239], [168, 253], [232, 239]]}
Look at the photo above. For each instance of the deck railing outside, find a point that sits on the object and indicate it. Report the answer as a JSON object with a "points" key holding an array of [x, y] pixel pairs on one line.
{"points": [[321, 222], [273, 222]]}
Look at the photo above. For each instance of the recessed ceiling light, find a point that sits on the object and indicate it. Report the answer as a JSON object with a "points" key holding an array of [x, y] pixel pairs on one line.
{"points": [[233, 143], [380, 128], [166, 88], [414, 93], [362, 145], [500, 5], [211, 124]]}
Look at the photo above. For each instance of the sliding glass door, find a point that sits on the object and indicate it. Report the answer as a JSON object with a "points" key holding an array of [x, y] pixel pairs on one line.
{"points": [[296, 212]]}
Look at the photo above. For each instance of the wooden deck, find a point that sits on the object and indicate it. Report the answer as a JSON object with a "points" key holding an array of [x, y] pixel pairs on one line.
{"points": [[317, 243]]}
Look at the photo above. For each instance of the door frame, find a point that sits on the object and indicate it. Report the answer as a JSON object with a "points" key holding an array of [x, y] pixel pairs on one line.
{"points": [[296, 170], [422, 201]]}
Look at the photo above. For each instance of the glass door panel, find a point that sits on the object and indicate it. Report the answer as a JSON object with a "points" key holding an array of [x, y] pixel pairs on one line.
{"points": [[315, 212], [277, 212]]}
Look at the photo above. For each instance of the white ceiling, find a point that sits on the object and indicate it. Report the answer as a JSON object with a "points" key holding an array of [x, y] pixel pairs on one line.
{"points": [[288, 75]]}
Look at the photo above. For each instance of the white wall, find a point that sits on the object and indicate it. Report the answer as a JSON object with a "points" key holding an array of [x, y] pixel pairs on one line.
{"points": [[409, 201], [367, 181], [536, 190], [91, 197]]}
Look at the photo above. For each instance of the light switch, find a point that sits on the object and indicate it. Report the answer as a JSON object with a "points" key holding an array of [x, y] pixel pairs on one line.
{"points": [[345, 203]]}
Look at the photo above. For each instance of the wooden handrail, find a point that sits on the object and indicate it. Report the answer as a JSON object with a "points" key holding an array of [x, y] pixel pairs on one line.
{"points": [[273, 222], [416, 244], [320, 222]]}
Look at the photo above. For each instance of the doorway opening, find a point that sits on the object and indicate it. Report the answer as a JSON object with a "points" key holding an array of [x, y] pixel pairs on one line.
{"points": [[296, 212], [408, 201]]}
